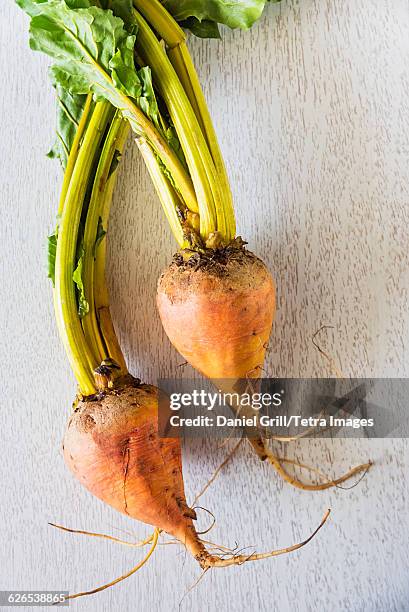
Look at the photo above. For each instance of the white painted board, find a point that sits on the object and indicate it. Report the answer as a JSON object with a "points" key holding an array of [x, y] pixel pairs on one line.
{"points": [[311, 109]]}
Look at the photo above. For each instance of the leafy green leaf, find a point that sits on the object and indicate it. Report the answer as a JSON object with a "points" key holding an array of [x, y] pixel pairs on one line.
{"points": [[92, 51], [83, 306], [123, 71], [122, 9], [52, 251], [70, 106], [76, 4], [101, 233], [69, 111], [173, 140], [201, 29], [232, 13], [147, 100], [51, 254], [36, 7]]}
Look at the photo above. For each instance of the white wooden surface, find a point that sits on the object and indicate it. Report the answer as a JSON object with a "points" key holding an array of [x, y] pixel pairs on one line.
{"points": [[311, 108]]}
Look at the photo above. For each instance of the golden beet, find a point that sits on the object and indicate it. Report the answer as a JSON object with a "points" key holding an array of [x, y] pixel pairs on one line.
{"points": [[112, 447], [218, 311]]}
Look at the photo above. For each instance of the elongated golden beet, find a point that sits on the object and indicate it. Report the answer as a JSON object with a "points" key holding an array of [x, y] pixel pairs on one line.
{"points": [[112, 447], [217, 310]]}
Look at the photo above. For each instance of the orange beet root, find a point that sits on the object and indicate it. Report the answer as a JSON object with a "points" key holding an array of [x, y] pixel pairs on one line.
{"points": [[217, 311], [112, 447]]}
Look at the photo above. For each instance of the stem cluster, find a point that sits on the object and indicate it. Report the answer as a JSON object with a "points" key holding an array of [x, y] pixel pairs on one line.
{"points": [[85, 202], [210, 213], [193, 188]]}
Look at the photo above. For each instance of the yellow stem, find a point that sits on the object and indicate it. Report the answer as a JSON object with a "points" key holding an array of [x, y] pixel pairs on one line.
{"points": [[167, 195], [142, 125], [89, 322], [184, 67], [198, 158], [101, 295], [163, 23], [72, 158], [81, 359], [175, 39]]}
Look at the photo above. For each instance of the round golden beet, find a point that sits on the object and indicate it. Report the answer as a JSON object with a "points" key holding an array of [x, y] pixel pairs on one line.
{"points": [[217, 311]]}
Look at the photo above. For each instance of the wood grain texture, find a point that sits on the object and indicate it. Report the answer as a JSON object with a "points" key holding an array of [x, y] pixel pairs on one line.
{"points": [[311, 108]]}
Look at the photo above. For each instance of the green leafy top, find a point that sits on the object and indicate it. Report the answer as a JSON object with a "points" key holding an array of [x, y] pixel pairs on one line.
{"points": [[70, 106], [69, 111], [77, 277], [91, 48], [203, 16], [201, 29], [120, 8], [94, 52], [51, 255]]}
